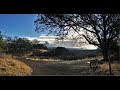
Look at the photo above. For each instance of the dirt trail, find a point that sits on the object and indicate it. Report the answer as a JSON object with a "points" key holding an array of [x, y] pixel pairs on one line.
{"points": [[59, 67]]}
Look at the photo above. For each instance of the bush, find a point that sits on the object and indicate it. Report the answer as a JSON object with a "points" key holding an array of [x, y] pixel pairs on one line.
{"points": [[20, 46], [57, 53], [39, 52]]}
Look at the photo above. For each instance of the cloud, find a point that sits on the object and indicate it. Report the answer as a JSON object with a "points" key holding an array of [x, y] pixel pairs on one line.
{"points": [[50, 39], [31, 38], [66, 43]]}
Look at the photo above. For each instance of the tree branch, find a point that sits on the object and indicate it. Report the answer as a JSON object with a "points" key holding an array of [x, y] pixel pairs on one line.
{"points": [[90, 41]]}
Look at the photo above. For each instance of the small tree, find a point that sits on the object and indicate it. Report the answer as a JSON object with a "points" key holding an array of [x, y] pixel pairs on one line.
{"points": [[35, 41], [19, 46], [46, 43], [1, 43]]}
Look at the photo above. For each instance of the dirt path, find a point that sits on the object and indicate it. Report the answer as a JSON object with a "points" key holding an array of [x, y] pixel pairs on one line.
{"points": [[59, 67]]}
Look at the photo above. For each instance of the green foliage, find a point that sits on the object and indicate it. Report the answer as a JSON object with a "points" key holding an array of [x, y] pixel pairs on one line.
{"points": [[19, 46], [35, 41], [1, 43], [1, 39]]}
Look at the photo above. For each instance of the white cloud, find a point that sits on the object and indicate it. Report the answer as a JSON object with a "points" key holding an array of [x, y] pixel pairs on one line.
{"points": [[89, 47], [66, 43], [31, 38]]}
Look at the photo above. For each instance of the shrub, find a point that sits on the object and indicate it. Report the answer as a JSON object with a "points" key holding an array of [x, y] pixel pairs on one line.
{"points": [[19, 46], [57, 53]]}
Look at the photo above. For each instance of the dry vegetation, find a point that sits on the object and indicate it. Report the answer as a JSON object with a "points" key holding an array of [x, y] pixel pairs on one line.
{"points": [[12, 67], [40, 59], [104, 68]]}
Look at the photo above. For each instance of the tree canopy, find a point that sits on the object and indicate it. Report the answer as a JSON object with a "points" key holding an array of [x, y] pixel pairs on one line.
{"points": [[98, 29]]}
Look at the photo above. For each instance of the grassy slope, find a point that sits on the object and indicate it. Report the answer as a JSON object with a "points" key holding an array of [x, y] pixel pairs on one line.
{"points": [[12, 67]]}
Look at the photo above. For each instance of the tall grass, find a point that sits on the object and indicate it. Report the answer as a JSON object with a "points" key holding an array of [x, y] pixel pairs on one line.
{"points": [[10, 66]]}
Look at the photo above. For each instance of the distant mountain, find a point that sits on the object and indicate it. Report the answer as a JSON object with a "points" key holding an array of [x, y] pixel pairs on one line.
{"points": [[61, 43]]}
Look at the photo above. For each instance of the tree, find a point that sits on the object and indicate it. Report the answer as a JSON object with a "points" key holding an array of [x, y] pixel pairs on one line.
{"points": [[99, 29], [35, 41], [1, 39], [19, 46], [114, 50], [9, 39], [46, 43], [1, 42]]}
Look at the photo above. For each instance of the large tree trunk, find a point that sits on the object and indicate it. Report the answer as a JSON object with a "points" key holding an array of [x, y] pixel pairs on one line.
{"points": [[110, 67], [105, 54], [106, 58]]}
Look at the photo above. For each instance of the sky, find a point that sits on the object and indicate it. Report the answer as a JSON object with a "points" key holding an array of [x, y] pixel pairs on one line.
{"points": [[21, 25]]}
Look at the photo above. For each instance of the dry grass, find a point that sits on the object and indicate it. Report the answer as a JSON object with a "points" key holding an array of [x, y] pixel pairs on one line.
{"points": [[12, 67], [43, 50], [39, 59], [114, 67]]}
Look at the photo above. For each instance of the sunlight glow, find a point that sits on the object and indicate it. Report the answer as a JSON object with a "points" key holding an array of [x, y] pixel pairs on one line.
{"points": [[66, 43]]}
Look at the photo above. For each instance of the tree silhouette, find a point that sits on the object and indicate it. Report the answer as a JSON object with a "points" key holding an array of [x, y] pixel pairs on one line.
{"points": [[1, 42], [19, 46], [35, 41], [99, 29]]}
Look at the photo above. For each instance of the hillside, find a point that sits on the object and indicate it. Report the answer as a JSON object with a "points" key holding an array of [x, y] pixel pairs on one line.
{"points": [[12, 67]]}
